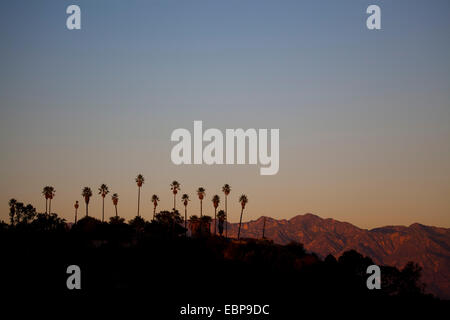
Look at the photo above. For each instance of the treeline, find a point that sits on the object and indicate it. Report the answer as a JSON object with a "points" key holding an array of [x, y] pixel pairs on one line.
{"points": [[160, 254]]}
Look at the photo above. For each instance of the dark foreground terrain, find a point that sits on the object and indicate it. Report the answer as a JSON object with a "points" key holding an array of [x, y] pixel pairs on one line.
{"points": [[155, 262], [390, 245]]}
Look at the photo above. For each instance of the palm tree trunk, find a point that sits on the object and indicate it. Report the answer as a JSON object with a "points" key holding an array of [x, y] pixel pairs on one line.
{"points": [[185, 221], [103, 210], [116, 210], [215, 220], [154, 211], [201, 208], [139, 198], [87, 209], [50, 206], [76, 211], [46, 205], [174, 197], [226, 218], [240, 222]]}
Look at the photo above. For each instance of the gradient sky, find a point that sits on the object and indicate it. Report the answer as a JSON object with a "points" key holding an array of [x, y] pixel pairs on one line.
{"points": [[364, 116]]}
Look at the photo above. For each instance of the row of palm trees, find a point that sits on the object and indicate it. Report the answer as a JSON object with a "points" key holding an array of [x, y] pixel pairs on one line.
{"points": [[175, 186]]}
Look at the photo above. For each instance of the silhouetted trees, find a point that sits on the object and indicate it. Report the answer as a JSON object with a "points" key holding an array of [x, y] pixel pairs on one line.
{"points": [[201, 194], [200, 227], [116, 220], [221, 216], [175, 186], [115, 200], [205, 225], [409, 283], [139, 181], [171, 221], [87, 194], [25, 217], [103, 191], [185, 199], [49, 193], [138, 224], [20, 214], [226, 189], [296, 249], [76, 206], [243, 200], [155, 200], [144, 248], [48, 222], [215, 201]]}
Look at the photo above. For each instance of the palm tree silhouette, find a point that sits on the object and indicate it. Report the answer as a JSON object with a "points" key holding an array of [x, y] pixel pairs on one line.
{"points": [[87, 194], [201, 194], [49, 193], [46, 192], [174, 186], [50, 197], [215, 201], [76, 205], [115, 200], [243, 200], [139, 181], [226, 189], [103, 191], [221, 216], [185, 199], [155, 200]]}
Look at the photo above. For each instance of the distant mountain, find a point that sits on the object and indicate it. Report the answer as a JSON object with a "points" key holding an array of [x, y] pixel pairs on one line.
{"points": [[390, 245]]}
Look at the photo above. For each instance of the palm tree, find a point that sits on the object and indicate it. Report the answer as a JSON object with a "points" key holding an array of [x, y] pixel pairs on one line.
{"points": [[185, 199], [46, 192], [87, 194], [243, 200], [49, 193], [201, 194], [139, 181], [226, 189], [155, 200], [103, 191], [115, 200], [221, 216], [50, 197], [174, 186], [76, 205], [215, 201]]}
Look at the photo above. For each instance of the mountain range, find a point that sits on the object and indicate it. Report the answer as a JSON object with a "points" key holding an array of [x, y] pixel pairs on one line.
{"points": [[390, 245]]}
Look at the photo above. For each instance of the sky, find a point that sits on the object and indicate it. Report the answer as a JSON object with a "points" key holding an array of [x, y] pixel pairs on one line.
{"points": [[364, 115]]}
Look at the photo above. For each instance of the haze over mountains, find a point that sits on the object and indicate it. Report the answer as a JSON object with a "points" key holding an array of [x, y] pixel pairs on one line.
{"points": [[389, 245]]}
